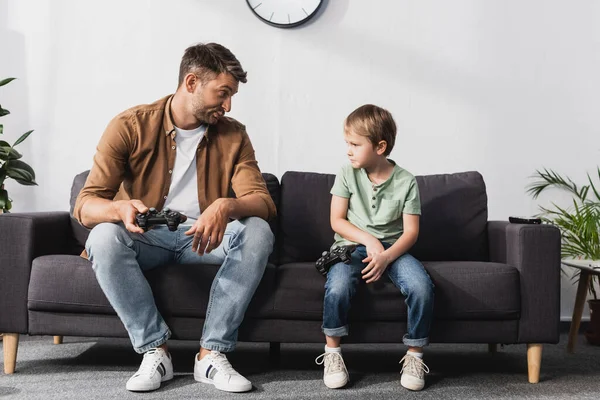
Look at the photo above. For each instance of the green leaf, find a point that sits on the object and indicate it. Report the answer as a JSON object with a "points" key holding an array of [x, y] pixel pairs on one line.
{"points": [[592, 185], [3, 199], [12, 153], [23, 176], [3, 112], [7, 80], [18, 164], [22, 138]]}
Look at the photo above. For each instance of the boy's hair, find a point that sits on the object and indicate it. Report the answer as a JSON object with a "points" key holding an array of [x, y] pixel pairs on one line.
{"points": [[374, 123], [209, 60]]}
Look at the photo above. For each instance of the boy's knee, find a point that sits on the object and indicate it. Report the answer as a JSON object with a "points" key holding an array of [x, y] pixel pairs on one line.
{"points": [[339, 288], [422, 290]]}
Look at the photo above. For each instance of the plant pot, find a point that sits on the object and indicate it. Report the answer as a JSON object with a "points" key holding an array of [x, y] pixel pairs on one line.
{"points": [[593, 332]]}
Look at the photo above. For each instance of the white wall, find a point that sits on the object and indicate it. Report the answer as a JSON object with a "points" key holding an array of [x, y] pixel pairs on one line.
{"points": [[501, 87]]}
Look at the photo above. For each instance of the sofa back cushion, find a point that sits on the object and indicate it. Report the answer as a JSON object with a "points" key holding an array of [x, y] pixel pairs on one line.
{"points": [[453, 217], [81, 233]]}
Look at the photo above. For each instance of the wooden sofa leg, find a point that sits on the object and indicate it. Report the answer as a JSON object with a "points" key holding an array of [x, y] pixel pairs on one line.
{"points": [[534, 361], [492, 348], [11, 344], [58, 339]]}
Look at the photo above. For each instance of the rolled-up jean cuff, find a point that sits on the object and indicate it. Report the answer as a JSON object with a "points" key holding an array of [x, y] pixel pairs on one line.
{"points": [[156, 343], [336, 332], [415, 342], [217, 347]]}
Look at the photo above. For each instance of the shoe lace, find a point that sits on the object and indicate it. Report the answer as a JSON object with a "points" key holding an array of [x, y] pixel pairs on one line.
{"points": [[414, 366], [334, 362], [149, 363], [222, 363]]}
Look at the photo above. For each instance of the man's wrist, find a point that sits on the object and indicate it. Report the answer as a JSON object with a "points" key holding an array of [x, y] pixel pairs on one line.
{"points": [[227, 206]]}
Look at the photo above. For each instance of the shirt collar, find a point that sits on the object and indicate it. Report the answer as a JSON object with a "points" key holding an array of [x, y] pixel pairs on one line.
{"points": [[168, 125]]}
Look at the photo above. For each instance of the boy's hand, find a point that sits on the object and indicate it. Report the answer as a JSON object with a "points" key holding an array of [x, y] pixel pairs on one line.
{"points": [[377, 262], [374, 247], [377, 266]]}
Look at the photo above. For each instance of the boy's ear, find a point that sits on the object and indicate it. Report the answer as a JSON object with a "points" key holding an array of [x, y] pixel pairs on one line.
{"points": [[381, 147]]}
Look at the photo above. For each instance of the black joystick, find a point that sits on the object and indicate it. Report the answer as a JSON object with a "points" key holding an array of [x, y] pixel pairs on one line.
{"points": [[165, 217], [329, 258]]}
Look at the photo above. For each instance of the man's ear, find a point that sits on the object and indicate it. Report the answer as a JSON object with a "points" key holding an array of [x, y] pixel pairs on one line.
{"points": [[381, 147], [190, 82]]}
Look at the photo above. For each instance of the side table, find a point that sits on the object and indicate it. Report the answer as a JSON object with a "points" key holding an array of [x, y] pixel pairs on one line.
{"points": [[588, 268]]}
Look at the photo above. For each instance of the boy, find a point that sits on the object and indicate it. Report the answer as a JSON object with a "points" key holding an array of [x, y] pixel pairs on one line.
{"points": [[376, 206]]}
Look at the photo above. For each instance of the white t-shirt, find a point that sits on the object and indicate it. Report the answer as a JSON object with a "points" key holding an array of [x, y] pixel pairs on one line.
{"points": [[183, 192]]}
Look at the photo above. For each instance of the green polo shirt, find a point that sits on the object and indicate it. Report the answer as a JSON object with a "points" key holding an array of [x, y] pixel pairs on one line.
{"points": [[377, 209]]}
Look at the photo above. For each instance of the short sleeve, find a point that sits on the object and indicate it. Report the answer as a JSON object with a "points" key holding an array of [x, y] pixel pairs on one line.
{"points": [[412, 203], [340, 186]]}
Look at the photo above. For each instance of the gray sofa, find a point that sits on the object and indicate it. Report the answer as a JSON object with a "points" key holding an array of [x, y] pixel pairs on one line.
{"points": [[495, 282]]}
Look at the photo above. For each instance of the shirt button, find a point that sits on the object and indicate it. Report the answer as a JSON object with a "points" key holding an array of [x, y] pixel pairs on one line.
{"points": [[165, 197], [374, 189], [373, 206], [373, 198], [171, 171], [173, 147]]}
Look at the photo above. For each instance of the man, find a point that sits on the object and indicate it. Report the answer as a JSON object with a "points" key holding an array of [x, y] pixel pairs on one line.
{"points": [[180, 152]]}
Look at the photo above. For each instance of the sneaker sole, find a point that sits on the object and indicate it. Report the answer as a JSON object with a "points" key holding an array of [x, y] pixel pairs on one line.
{"points": [[225, 388], [337, 385], [410, 383], [165, 378]]}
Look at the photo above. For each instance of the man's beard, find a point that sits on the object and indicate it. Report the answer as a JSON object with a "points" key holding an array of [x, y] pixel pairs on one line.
{"points": [[202, 115]]}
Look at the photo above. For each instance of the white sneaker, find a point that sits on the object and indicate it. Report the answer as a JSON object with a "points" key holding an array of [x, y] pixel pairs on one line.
{"points": [[413, 372], [156, 367], [335, 375], [216, 370]]}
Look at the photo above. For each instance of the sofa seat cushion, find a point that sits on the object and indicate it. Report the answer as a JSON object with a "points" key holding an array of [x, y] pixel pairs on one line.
{"points": [[466, 290], [66, 283]]}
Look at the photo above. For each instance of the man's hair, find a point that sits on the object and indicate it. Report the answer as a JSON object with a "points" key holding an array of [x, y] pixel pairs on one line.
{"points": [[374, 123], [209, 60]]}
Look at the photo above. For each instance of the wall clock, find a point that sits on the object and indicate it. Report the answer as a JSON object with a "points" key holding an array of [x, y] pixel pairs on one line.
{"points": [[284, 13]]}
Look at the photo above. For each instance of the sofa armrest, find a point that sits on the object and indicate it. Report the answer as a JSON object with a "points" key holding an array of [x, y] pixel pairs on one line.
{"points": [[535, 251], [25, 236]]}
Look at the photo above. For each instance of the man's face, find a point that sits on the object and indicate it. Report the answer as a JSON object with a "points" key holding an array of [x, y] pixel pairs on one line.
{"points": [[213, 99]]}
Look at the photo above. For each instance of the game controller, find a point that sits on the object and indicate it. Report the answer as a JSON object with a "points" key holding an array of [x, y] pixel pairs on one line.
{"points": [[171, 218], [524, 220], [329, 258]]}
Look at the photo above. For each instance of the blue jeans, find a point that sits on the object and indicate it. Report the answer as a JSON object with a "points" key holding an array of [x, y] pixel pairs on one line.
{"points": [[119, 259], [406, 272]]}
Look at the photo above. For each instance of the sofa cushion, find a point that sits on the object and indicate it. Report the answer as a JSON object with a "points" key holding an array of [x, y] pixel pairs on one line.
{"points": [[81, 233], [453, 222], [463, 291], [66, 283]]}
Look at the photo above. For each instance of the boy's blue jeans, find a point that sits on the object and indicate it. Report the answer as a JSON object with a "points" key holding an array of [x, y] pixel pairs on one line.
{"points": [[120, 257], [406, 272]]}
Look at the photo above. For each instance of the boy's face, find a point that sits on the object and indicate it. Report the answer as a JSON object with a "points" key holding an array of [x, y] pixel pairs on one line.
{"points": [[361, 152]]}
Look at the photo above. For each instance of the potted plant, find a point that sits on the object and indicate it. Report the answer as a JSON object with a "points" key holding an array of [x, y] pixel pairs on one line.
{"points": [[579, 225], [11, 166]]}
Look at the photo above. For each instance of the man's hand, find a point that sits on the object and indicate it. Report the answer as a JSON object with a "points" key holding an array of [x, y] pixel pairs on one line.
{"points": [[127, 210], [209, 229], [377, 259]]}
